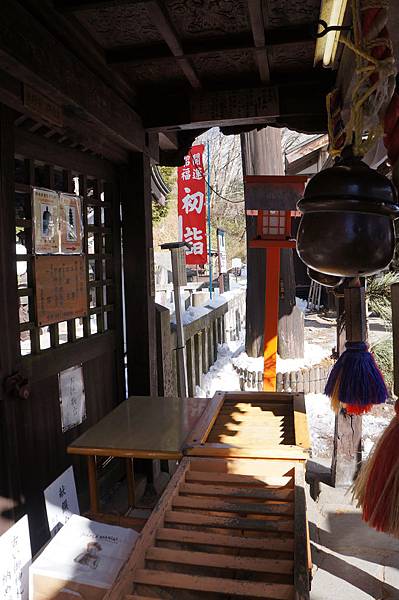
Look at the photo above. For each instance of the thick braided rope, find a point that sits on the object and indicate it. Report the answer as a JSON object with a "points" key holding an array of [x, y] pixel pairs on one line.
{"points": [[366, 4], [367, 100]]}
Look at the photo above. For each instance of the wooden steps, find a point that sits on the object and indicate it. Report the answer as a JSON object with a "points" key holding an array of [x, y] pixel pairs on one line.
{"points": [[224, 528], [252, 425]]}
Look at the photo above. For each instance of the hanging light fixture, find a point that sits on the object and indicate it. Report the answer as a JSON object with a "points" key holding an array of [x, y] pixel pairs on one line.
{"points": [[332, 14]]}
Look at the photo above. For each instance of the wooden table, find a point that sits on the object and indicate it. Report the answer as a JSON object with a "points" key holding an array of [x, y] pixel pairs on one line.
{"points": [[139, 427]]}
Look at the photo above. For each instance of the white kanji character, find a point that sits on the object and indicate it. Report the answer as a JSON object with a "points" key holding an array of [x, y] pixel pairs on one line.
{"points": [[194, 236], [196, 159], [198, 247], [192, 202], [197, 173], [187, 160], [186, 174]]}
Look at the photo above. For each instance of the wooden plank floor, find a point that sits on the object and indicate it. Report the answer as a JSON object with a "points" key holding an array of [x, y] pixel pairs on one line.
{"points": [[223, 529]]}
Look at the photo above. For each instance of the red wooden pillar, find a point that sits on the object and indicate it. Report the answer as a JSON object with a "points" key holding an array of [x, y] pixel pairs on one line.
{"points": [[272, 248], [271, 318]]}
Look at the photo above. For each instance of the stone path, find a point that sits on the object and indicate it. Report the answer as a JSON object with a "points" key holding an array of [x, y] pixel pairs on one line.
{"points": [[351, 561]]}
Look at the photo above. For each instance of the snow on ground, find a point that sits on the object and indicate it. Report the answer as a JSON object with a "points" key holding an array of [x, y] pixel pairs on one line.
{"points": [[313, 355], [222, 376], [320, 335], [301, 304], [321, 421]]}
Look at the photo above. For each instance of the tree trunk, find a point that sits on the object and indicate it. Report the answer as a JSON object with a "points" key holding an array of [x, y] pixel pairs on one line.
{"points": [[291, 320], [262, 155]]}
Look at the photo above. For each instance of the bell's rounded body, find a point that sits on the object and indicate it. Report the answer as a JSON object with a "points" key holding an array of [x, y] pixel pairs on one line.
{"points": [[330, 281], [347, 225], [346, 244]]}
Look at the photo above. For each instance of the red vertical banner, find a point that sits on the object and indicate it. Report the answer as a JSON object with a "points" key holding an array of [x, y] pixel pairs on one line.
{"points": [[191, 204]]}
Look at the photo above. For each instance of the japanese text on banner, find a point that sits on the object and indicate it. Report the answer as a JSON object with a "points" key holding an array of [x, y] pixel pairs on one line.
{"points": [[192, 206]]}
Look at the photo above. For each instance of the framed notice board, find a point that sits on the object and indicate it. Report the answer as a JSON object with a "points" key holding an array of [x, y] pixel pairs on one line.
{"points": [[61, 288]]}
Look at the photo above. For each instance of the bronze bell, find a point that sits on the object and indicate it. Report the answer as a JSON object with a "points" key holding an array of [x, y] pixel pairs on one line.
{"points": [[347, 225], [327, 280]]}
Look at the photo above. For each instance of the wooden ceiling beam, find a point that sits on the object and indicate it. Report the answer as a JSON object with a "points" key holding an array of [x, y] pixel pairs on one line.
{"points": [[132, 55], [302, 163], [69, 6], [74, 36], [258, 32], [301, 102], [165, 28], [36, 58]]}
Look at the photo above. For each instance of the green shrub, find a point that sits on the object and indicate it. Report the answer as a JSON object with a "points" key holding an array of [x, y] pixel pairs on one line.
{"points": [[383, 354], [379, 294]]}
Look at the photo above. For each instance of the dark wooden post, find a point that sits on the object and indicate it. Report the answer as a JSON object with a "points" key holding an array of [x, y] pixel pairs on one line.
{"points": [[347, 450], [138, 266], [291, 329], [11, 408], [166, 385], [395, 334]]}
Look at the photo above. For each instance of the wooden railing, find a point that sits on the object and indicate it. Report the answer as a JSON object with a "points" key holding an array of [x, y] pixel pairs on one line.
{"points": [[202, 337]]}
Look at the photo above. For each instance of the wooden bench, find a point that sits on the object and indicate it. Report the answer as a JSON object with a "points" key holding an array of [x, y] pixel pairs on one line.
{"points": [[224, 528]]}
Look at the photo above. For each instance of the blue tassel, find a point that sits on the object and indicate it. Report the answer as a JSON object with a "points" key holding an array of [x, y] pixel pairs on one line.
{"points": [[361, 382]]}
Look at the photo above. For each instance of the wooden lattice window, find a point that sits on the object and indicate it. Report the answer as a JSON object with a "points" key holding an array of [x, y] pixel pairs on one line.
{"points": [[274, 223], [98, 224]]}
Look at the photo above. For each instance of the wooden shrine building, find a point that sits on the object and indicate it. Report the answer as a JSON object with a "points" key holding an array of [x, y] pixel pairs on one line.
{"points": [[93, 93]]}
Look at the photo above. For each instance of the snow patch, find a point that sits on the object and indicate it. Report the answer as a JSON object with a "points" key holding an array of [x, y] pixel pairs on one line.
{"points": [[321, 421], [313, 355], [191, 314], [221, 376], [301, 304]]}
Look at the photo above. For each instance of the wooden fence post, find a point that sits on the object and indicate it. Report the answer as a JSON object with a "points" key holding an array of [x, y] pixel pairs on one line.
{"points": [[347, 450], [198, 358], [395, 333], [210, 345], [138, 265], [166, 386], [205, 353], [190, 364]]}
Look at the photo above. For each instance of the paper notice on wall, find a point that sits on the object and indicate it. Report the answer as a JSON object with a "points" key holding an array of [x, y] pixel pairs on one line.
{"points": [[61, 501], [45, 208], [71, 226], [15, 553], [72, 397]]}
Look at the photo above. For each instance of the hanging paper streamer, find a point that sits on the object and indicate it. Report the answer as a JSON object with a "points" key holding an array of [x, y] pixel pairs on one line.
{"points": [[376, 488], [356, 381]]}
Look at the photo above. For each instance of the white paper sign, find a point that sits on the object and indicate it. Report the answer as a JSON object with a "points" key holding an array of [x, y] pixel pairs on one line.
{"points": [[221, 238], [85, 552], [15, 553], [61, 501], [72, 397]]}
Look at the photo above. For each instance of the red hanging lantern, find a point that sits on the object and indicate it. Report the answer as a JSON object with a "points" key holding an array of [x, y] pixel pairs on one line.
{"points": [[274, 224]]}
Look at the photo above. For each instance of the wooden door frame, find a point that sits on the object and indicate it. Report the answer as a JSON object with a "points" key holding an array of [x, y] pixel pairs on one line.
{"points": [[46, 363], [10, 363]]}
